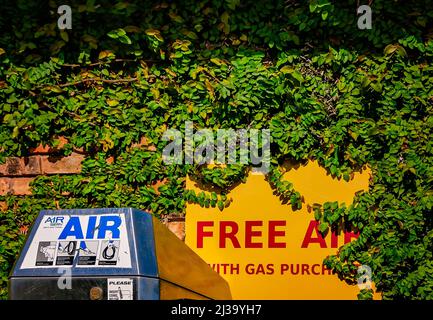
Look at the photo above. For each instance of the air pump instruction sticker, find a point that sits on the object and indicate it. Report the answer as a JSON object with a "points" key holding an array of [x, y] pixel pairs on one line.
{"points": [[66, 252], [120, 288], [88, 251], [45, 255], [108, 252], [79, 240]]}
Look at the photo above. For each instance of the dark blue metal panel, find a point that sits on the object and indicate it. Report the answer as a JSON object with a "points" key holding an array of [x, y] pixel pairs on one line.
{"points": [[144, 243], [148, 288]]}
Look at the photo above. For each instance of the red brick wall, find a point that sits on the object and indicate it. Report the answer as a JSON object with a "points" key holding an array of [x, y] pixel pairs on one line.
{"points": [[17, 173]]}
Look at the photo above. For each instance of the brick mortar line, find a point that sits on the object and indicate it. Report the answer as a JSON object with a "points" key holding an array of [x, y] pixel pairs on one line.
{"points": [[29, 175]]}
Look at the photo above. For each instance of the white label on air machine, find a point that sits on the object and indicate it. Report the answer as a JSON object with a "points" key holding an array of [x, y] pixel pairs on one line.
{"points": [[120, 289], [81, 241]]}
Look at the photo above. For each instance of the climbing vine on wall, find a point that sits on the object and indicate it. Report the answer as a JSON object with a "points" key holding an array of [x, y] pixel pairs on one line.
{"points": [[127, 71]]}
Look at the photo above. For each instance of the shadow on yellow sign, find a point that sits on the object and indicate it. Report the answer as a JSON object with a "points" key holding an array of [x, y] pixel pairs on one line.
{"points": [[263, 248]]}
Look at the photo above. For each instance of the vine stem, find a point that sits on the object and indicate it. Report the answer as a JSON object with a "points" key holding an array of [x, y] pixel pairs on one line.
{"points": [[74, 65], [88, 80], [96, 80]]}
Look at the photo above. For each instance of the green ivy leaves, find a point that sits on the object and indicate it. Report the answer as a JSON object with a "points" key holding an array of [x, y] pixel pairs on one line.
{"points": [[120, 35], [125, 73]]}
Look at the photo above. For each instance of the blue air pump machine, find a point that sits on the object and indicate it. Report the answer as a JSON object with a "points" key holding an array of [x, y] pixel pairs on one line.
{"points": [[113, 254]]}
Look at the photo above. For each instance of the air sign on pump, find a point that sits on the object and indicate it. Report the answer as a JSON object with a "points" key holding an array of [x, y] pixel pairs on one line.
{"points": [[109, 254], [86, 240]]}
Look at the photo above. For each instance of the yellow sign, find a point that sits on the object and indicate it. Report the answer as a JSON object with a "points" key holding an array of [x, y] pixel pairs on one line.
{"points": [[267, 251]]}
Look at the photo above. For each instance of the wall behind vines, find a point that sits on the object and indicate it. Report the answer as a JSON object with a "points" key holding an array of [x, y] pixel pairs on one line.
{"points": [[127, 71]]}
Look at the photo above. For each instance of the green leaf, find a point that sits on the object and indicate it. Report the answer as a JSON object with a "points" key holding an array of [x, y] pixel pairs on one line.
{"points": [[125, 39], [64, 35], [323, 227], [312, 6], [377, 86], [121, 35], [112, 102], [116, 33]]}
